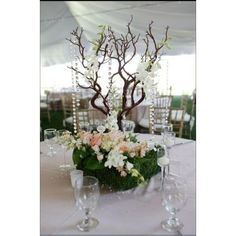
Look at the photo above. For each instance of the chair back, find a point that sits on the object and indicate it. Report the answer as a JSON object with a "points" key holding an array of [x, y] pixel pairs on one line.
{"points": [[163, 101], [67, 105], [177, 120], [160, 112]]}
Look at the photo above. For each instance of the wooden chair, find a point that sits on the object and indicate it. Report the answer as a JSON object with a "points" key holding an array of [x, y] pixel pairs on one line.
{"points": [[162, 106], [163, 101], [161, 115], [67, 109], [45, 108], [177, 120]]}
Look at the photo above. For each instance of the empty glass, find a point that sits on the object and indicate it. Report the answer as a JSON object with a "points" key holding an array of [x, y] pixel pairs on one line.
{"points": [[168, 138], [167, 127], [174, 198], [50, 139], [127, 126], [87, 194], [60, 134], [100, 126], [85, 126]]}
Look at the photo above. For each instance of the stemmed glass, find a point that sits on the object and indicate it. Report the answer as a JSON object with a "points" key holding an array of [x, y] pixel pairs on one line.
{"points": [[60, 134], [50, 138], [174, 198], [85, 126], [87, 195], [127, 126], [100, 126]]}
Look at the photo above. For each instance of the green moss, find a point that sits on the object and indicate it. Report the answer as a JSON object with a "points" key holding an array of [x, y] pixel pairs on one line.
{"points": [[147, 167]]}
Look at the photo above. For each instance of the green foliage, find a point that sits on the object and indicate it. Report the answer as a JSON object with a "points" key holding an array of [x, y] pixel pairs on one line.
{"points": [[132, 138], [86, 160]]}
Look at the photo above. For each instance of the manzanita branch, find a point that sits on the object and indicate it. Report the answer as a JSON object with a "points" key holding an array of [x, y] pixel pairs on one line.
{"points": [[122, 48]]}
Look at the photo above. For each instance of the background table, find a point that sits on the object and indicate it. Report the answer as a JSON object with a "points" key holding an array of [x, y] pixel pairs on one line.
{"points": [[117, 213]]}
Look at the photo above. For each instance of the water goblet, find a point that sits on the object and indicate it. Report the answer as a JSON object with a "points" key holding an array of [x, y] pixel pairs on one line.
{"points": [[60, 141], [174, 198], [168, 127], [87, 195], [100, 126], [168, 138], [50, 138], [127, 126], [85, 126]]}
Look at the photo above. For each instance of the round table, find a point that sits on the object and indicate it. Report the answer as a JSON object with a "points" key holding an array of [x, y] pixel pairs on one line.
{"points": [[118, 213]]}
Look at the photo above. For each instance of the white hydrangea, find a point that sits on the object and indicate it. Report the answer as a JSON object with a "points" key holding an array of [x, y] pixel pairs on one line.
{"points": [[115, 159]]}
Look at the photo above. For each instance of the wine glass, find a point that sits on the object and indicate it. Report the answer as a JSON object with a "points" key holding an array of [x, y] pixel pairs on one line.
{"points": [[168, 138], [87, 194], [60, 134], [174, 198], [168, 127], [85, 126], [50, 138], [127, 126], [100, 126]]}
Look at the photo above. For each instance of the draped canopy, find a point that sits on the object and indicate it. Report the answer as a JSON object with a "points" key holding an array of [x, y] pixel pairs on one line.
{"points": [[58, 19]]}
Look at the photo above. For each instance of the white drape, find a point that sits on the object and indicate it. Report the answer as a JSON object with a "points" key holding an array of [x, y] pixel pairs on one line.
{"points": [[58, 19]]}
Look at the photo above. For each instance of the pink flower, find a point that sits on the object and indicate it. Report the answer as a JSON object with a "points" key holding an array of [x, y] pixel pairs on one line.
{"points": [[96, 140], [85, 137]]}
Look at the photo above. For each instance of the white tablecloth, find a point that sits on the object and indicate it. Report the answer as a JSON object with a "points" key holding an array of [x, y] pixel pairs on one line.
{"points": [[118, 213]]}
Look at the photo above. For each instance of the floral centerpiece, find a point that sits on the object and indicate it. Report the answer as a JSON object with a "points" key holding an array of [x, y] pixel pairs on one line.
{"points": [[118, 160]]}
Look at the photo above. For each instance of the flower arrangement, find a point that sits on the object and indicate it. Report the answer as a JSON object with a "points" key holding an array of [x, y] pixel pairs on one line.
{"points": [[118, 160]]}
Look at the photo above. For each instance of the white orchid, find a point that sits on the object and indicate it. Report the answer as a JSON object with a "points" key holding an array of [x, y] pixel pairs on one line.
{"points": [[129, 165], [111, 121], [115, 159], [142, 71], [92, 65]]}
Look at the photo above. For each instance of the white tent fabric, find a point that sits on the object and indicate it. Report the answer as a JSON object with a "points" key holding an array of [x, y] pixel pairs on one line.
{"points": [[58, 19]]}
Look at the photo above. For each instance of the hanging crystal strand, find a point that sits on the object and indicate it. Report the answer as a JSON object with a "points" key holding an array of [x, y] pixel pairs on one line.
{"points": [[110, 102], [77, 98], [167, 84], [151, 113], [74, 119]]}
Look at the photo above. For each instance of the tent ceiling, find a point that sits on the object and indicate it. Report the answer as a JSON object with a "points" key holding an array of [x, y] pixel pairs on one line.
{"points": [[58, 19]]}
